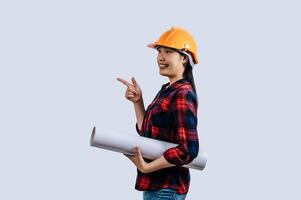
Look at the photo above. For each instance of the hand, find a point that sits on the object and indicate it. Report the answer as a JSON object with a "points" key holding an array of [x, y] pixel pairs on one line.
{"points": [[138, 160], [133, 92]]}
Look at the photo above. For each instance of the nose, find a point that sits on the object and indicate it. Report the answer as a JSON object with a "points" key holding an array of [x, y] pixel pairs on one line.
{"points": [[160, 57]]}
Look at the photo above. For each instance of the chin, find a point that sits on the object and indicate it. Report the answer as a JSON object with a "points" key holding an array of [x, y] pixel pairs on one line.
{"points": [[163, 74]]}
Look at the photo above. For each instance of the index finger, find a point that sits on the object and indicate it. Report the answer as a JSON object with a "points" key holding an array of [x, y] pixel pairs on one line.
{"points": [[124, 82]]}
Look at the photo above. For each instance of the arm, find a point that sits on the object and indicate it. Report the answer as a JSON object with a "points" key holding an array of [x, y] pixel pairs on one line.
{"points": [[140, 112], [145, 167], [184, 112], [134, 94]]}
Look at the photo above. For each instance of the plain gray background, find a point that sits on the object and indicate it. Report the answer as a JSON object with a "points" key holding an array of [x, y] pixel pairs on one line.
{"points": [[58, 66]]}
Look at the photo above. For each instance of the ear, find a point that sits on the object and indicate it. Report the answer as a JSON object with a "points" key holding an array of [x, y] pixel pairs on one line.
{"points": [[185, 59]]}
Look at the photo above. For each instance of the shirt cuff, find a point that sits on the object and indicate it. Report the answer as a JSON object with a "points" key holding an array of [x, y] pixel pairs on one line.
{"points": [[170, 156]]}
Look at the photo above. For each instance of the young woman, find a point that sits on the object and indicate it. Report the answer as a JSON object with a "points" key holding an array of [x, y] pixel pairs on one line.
{"points": [[171, 117]]}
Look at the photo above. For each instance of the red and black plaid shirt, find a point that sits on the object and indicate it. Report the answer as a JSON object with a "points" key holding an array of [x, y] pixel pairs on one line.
{"points": [[171, 117]]}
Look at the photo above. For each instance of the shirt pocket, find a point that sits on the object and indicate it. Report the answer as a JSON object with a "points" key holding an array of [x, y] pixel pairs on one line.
{"points": [[160, 116], [165, 104]]}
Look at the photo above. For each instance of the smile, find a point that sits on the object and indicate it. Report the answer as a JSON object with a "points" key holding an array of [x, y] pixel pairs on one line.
{"points": [[162, 66]]}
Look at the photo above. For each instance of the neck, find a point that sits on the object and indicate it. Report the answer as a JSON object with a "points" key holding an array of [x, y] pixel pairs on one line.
{"points": [[174, 79]]}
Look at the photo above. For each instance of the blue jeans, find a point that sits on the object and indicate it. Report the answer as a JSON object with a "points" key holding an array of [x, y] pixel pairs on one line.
{"points": [[163, 194]]}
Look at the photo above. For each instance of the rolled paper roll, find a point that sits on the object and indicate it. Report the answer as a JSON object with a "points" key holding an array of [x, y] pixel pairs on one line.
{"points": [[150, 148]]}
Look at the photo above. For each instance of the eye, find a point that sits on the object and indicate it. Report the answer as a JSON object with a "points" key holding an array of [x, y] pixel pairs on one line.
{"points": [[168, 51]]}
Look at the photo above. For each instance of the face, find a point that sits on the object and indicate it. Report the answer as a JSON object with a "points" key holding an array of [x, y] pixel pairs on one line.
{"points": [[171, 63]]}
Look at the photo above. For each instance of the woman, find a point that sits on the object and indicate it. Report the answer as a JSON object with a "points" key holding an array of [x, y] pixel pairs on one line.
{"points": [[171, 117]]}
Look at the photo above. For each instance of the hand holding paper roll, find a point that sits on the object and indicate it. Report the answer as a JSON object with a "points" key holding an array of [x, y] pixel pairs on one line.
{"points": [[150, 148]]}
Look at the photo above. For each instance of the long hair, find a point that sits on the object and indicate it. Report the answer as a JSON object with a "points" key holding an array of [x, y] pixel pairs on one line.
{"points": [[188, 75]]}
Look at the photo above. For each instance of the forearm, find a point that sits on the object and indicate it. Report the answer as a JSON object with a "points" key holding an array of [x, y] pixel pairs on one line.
{"points": [[140, 112], [145, 167], [159, 163]]}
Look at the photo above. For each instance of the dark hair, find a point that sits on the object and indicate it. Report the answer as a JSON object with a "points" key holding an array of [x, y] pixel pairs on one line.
{"points": [[188, 75]]}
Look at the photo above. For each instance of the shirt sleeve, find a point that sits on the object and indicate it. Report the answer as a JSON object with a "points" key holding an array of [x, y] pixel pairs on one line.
{"points": [[184, 112]]}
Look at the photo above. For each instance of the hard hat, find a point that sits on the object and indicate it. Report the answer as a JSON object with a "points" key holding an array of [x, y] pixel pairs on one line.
{"points": [[178, 38]]}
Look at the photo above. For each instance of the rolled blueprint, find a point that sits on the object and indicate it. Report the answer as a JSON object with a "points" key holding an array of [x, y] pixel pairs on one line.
{"points": [[150, 148]]}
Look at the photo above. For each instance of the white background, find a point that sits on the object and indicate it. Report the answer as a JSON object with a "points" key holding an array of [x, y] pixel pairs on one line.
{"points": [[58, 66]]}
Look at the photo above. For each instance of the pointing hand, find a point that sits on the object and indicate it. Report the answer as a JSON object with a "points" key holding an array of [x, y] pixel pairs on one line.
{"points": [[133, 92]]}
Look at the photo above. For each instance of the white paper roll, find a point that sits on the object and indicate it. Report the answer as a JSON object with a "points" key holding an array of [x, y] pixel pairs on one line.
{"points": [[150, 148]]}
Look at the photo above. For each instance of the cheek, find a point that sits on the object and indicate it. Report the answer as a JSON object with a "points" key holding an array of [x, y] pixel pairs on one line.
{"points": [[176, 61]]}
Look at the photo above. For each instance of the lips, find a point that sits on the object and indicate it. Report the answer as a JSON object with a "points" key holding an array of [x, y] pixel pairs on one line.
{"points": [[163, 65]]}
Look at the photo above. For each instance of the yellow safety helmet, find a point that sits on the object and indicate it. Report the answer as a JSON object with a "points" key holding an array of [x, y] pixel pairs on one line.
{"points": [[180, 39]]}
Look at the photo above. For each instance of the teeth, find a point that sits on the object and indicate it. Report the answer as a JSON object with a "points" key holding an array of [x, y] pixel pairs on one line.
{"points": [[163, 65]]}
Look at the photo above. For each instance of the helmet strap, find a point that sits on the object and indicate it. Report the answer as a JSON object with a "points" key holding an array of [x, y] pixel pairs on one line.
{"points": [[189, 57]]}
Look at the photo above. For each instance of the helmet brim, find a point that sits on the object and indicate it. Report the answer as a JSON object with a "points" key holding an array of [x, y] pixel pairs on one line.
{"points": [[152, 45]]}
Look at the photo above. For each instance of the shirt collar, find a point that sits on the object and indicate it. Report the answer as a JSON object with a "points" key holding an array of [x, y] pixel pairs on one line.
{"points": [[174, 85]]}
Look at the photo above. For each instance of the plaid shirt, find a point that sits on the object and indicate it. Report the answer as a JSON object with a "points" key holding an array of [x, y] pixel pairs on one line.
{"points": [[171, 117]]}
